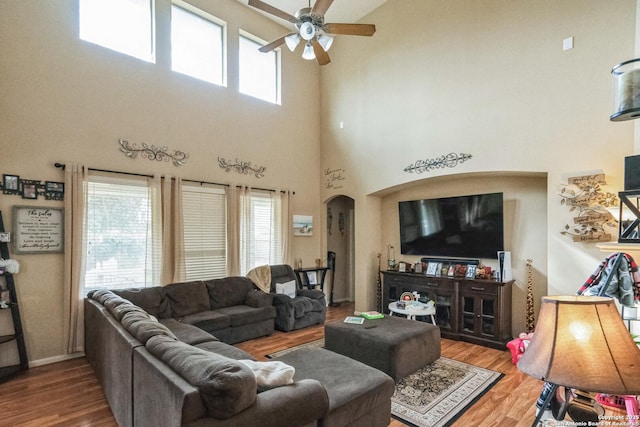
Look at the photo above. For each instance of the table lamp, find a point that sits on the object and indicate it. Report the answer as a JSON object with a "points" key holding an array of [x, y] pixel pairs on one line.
{"points": [[581, 342]]}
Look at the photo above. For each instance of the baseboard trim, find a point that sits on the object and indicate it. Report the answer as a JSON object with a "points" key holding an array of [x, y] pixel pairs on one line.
{"points": [[54, 359]]}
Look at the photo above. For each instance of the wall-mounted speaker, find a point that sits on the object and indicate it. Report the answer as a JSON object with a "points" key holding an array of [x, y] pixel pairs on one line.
{"points": [[632, 173]]}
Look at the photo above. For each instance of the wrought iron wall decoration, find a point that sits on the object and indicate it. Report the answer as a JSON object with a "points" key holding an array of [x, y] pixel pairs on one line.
{"points": [[585, 197], [241, 167], [450, 160], [151, 152], [31, 189]]}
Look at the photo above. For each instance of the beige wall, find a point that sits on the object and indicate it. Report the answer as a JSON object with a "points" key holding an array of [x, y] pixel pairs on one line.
{"points": [[488, 78], [525, 223], [65, 100]]}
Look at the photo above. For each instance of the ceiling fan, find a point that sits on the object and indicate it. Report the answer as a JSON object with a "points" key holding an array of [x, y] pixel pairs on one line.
{"points": [[311, 28]]}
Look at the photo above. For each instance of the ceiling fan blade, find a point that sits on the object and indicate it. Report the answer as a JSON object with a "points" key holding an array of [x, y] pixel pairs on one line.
{"points": [[320, 7], [350, 29], [272, 10], [321, 55], [274, 44]]}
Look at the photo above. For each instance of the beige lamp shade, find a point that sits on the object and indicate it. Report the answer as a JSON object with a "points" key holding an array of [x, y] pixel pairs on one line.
{"points": [[581, 342]]}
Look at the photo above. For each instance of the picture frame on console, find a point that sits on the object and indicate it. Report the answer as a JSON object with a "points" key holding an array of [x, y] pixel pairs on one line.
{"points": [[471, 271]]}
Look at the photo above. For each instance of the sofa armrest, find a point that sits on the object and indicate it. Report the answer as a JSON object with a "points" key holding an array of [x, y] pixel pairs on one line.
{"points": [[257, 299], [300, 403], [280, 299], [310, 293]]}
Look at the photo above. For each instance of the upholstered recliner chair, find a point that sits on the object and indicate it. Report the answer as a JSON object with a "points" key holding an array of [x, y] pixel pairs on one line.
{"points": [[308, 306]]}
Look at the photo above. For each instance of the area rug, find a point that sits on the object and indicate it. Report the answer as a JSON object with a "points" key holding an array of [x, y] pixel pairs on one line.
{"points": [[316, 343], [436, 395], [439, 393]]}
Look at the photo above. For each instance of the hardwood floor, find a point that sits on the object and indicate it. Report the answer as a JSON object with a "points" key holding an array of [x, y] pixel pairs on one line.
{"points": [[68, 394]]}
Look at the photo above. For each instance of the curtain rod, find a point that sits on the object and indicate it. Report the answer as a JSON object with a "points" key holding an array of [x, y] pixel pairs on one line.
{"points": [[63, 166]]}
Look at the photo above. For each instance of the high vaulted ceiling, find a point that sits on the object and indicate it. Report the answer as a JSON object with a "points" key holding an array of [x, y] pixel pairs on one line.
{"points": [[344, 11]]}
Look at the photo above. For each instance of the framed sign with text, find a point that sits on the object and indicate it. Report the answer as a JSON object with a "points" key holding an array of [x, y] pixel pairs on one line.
{"points": [[38, 230]]}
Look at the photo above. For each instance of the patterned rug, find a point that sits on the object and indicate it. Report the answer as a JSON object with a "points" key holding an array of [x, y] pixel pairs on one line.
{"points": [[436, 395]]}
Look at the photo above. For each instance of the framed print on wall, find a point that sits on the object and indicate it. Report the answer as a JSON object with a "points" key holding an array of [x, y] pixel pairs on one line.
{"points": [[10, 184], [38, 230], [302, 225]]}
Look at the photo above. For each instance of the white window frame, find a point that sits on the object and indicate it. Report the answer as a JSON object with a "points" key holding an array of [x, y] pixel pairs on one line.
{"points": [[186, 7], [277, 100], [85, 29]]}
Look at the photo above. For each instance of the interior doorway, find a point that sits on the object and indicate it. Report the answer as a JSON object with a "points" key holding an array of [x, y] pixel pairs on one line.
{"points": [[340, 240]]}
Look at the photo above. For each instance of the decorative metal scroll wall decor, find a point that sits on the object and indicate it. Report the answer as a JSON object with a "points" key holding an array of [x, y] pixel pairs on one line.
{"points": [[242, 167], [31, 189], [450, 160], [585, 197], [152, 152]]}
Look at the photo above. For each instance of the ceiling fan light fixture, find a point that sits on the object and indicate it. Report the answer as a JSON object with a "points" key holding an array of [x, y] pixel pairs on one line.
{"points": [[308, 52], [307, 30], [325, 41], [292, 41]]}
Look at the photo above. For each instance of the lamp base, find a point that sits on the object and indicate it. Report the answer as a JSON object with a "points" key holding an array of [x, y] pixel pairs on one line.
{"points": [[585, 408]]}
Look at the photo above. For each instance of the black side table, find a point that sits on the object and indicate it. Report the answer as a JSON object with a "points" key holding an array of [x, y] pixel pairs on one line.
{"points": [[302, 274]]}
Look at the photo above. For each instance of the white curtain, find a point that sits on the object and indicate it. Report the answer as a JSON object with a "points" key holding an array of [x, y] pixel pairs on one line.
{"points": [[173, 258], [282, 202], [75, 180], [245, 223]]}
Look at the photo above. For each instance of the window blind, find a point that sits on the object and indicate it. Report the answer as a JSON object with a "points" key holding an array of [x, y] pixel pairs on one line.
{"points": [[122, 241], [205, 232]]}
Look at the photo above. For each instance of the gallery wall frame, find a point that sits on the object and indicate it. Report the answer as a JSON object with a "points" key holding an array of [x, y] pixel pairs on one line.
{"points": [[37, 230]]}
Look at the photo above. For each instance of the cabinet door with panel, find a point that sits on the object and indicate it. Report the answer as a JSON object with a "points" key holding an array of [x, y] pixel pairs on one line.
{"points": [[479, 310]]}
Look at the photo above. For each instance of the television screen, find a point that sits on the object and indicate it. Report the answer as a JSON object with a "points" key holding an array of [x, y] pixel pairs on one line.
{"points": [[464, 226]]}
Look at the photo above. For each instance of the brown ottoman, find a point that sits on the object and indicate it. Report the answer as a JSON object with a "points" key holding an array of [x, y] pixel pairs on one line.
{"points": [[396, 346]]}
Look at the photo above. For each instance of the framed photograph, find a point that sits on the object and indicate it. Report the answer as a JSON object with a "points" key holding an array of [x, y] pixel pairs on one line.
{"points": [[38, 230], [444, 271], [10, 184], [54, 187], [452, 270], [5, 237], [303, 225], [29, 190], [471, 272], [432, 269], [439, 269], [312, 277]]}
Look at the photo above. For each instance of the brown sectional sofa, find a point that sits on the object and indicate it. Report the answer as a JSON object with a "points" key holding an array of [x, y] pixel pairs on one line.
{"points": [[166, 371]]}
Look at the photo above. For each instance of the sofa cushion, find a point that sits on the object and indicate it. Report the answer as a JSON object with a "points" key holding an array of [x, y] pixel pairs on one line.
{"points": [[256, 298], [152, 300], [187, 298], [208, 320], [229, 291], [119, 311], [186, 333], [225, 350], [143, 327], [244, 315], [226, 386], [281, 273]]}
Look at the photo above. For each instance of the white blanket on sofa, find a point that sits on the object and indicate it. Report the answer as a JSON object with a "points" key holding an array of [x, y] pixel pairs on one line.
{"points": [[261, 276], [270, 374]]}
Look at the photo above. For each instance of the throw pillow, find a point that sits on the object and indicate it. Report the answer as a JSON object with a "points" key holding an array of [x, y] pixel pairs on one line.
{"points": [[287, 288]]}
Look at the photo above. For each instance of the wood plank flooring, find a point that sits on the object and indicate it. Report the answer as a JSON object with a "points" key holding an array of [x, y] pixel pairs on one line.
{"points": [[68, 394]]}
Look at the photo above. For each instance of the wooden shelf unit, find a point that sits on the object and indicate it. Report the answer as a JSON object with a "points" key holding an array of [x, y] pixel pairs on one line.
{"points": [[472, 310], [17, 337]]}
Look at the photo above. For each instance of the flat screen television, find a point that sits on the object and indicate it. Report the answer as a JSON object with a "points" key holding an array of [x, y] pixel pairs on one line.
{"points": [[463, 227]]}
